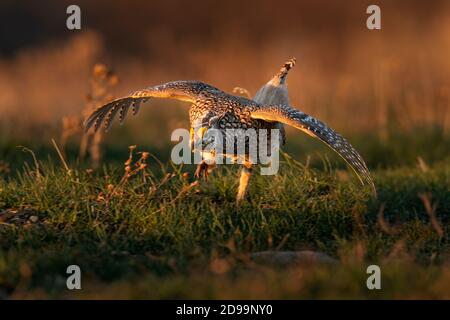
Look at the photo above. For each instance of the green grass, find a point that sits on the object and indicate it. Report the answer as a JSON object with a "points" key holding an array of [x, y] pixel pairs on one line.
{"points": [[164, 237]]}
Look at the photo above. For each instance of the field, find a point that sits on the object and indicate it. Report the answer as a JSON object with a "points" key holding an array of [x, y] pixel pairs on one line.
{"points": [[160, 234], [309, 232]]}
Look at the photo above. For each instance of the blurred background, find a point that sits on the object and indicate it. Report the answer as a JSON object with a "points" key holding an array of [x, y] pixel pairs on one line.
{"points": [[388, 90]]}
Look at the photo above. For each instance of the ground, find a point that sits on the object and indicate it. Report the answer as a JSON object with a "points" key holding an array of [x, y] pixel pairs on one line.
{"points": [[158, 233]]}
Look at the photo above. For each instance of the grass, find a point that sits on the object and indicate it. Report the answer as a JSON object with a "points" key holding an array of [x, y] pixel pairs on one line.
{"points": [[159, 234]]}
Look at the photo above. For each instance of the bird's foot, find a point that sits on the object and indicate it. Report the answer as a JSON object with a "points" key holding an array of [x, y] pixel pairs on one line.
{"points": [[202, 168]]}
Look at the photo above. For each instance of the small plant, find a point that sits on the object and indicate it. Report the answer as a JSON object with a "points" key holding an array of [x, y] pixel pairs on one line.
{"points": [[4, 167], [102, 81]]}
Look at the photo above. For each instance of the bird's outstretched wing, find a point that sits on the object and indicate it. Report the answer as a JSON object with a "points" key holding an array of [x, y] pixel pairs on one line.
{"points": [[108, 111], [318, 129], [180, 90]]}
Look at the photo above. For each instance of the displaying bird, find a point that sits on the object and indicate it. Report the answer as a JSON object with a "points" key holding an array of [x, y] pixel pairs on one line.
{"points": [[214, 108]]}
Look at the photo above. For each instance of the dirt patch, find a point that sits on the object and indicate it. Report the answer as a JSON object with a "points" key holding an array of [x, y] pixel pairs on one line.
{"points": [[19, 217]]}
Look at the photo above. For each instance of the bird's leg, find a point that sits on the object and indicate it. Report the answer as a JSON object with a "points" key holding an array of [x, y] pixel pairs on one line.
{"points": [[246, 172], [205, 168], [201, 168]]}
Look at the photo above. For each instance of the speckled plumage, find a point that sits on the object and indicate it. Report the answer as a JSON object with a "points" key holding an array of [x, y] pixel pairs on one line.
{"points": [[214, 108]]}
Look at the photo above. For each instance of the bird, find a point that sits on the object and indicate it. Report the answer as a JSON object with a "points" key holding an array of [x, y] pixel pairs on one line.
{"points": [[213, 108]]}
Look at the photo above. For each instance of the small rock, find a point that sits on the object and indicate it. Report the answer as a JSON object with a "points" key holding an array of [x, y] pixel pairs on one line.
{"points": [[7, 214], [291, 258], [34, 219]]}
